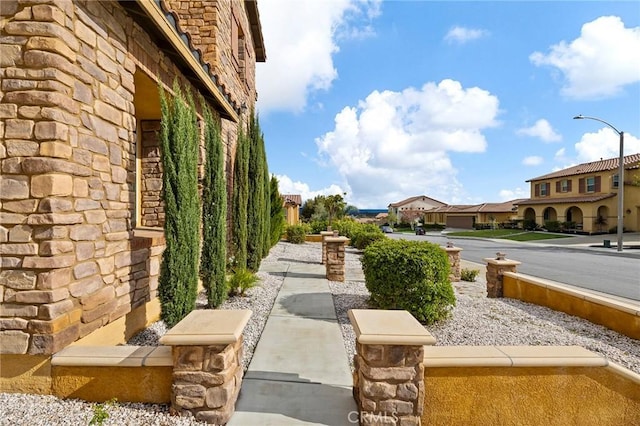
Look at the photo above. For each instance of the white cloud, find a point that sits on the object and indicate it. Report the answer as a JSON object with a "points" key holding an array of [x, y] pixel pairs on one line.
{"points": [[395, 144], [512, 194], [300, 44], [287, 186], [605, 143], [463, 35], [533, 160], [541, 129], [600, 62]]}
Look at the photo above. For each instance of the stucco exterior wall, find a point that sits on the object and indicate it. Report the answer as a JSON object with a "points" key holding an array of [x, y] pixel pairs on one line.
{"points": [[70, 261], [529, 396]]}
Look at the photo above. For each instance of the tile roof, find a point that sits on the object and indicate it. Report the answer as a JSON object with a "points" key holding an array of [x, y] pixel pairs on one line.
{"points": [[411, 199], [292, 199], [630, 161], [566, 200], [504, 207]]}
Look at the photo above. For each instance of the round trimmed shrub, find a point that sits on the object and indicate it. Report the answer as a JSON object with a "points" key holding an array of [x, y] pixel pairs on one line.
{"points": [[410, 275], [363, 239], [296, 233]]}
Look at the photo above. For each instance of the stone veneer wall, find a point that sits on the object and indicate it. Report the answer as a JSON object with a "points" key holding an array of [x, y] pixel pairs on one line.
{"points": [[69, 262], [152, 209]]}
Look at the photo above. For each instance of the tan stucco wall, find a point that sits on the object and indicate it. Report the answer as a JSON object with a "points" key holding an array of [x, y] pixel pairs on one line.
{"points": [[99, 384], [529, 396], [517, 286]]}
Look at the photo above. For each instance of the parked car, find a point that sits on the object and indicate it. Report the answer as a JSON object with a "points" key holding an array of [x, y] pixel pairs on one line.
{"points": [[419, 230], [386, 229]]}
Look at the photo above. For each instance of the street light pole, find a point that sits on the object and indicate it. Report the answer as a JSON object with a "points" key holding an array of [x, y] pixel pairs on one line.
{"points": [[620, 225]]}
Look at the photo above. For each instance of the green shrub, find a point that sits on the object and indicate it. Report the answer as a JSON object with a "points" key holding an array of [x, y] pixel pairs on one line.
{"points": [[241, 281], [296, 233], [318, 225], [433, 227], [411, 275], [364, 238], [529, 225], [552, 226], [469, 274]]}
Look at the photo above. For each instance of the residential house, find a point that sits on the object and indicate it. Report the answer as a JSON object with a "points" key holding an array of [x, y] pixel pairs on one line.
{"points": [[81, 214], [413, 208], [292, 204], [584, 197], [468, 216]]}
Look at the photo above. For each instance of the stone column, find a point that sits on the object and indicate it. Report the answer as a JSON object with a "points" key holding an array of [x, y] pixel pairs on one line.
{"points": [[388, 381], [207, 364], [495, 268], [454, 260], [324, 235], [335, 258]]}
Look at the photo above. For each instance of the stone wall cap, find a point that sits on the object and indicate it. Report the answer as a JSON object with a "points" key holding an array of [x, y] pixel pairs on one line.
{"points": [[113, 356], [208, 327], [505, 262], [336, 239], [385, 327], [326, 233], [511, 356], [452, 248]]}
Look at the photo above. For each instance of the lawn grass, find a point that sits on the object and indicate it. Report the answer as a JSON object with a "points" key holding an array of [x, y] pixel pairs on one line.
{"points": [[508, 234]]}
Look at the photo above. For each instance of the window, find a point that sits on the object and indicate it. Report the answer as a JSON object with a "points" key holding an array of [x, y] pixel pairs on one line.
{"points": [[564, 185], [615, 181], [544, 189], [591, 184]]}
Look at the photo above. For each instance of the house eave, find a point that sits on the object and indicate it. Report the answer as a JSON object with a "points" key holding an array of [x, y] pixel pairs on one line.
{"points": [[150, 16]]}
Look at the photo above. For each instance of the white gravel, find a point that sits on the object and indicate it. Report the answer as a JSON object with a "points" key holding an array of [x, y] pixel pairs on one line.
{"points": [[476, 320]]}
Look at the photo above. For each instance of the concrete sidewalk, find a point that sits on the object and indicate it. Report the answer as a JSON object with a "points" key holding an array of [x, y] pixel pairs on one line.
{"points": [[299, 374]]}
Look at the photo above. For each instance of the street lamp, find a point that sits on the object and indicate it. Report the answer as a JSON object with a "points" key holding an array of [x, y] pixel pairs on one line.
{"points": [[620, 176]]}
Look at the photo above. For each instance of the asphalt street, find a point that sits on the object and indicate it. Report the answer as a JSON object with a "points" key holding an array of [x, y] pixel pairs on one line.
{"points": [[570, 260]]}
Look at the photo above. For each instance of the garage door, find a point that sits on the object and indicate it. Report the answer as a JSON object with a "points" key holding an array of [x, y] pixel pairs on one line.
{"points": [[462, 222]]}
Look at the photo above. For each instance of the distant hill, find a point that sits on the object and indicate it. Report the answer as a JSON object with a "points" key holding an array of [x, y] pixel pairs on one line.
{"points": [[370, 212]]}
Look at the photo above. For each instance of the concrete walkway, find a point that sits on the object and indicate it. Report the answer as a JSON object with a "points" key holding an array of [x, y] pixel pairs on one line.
{"points": [[299, 374]]}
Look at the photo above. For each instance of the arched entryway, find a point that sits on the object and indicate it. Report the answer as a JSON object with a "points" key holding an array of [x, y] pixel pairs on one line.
{"points": [[529, 218], [573, 218], [549, 214], [602, 217]]}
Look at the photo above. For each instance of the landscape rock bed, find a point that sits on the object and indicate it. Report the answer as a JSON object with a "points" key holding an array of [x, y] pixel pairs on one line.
{"points": [[476, 320]]}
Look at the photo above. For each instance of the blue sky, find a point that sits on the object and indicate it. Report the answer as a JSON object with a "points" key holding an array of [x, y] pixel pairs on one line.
{"points": [[459, 101]]}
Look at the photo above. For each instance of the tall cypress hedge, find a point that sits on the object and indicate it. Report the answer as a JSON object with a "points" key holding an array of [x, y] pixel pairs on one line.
{"points": [[240, 198], [277, 212], [256, 201], [214, 212], [179, 137], [266, 214]]}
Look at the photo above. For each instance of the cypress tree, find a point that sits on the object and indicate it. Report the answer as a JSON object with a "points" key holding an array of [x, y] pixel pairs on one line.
{"points": [[240, 197], [277, 212], [255, 202], [266, 213], [179, 137], [214, 213]]}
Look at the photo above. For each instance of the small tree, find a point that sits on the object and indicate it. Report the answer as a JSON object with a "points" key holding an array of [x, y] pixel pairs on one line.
{"points": [[214, 213], [276, 226], [256, 202], [334, 204], [240, 197], [392, 219], [179, 138]]}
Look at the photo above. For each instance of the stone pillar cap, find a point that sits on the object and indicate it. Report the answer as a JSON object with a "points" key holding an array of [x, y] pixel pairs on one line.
{"points": [[385, 327], [326, 232], [505, 262], [336, 239], [208, 327]]}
